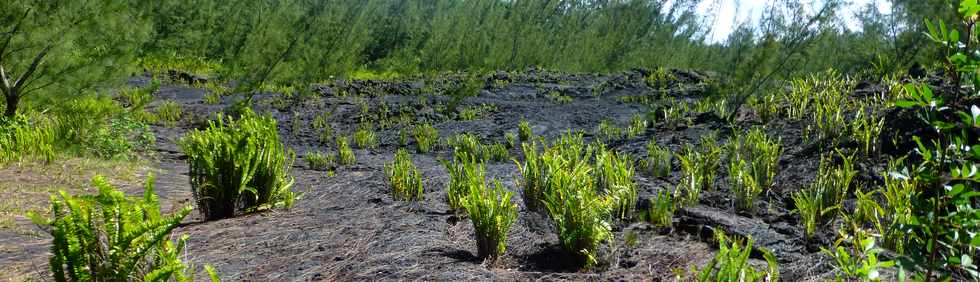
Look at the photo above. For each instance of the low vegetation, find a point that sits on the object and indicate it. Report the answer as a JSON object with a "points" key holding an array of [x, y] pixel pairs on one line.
{"points": [[404, 178], [426, 137], [112, 237], [238, 166], [492, 215], [731, 263]]}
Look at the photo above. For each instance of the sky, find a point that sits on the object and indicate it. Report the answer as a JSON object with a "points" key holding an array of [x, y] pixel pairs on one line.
{"points": [[745, 10]]}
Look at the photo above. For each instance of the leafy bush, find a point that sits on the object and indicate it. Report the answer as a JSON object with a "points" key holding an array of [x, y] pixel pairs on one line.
{"points": [[658, 161], [112, 237], [533, 177], [344, 153], [731, 263], [169, 113], [320, 161], [120, 137], [608, 130], [763, 154], [524, 130], [579, 213], [817, 204], [405, 179], [638, 125], [238, 166], [492, 215], [364, 138], [661, 210], [425, 137], [614, 177], [511, 140], [21, 138], [495, 152], [744, 186], [463, 170]]}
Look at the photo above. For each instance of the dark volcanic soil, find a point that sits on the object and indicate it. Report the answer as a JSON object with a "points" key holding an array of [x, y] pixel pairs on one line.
{"points": [[347, 227]]}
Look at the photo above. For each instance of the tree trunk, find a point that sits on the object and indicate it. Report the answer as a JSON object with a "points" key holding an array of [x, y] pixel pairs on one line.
{"points": [[13, 98]]}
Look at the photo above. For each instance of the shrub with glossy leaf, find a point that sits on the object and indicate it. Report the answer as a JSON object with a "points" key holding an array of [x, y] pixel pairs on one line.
{"points": [[492, 215], [238, 166], [405, 179], [731, 263], [112, 237]]}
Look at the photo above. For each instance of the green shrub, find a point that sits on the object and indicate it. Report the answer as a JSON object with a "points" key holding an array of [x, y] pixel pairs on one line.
{"points": [[327, 135], [169, 113], [238, 166], [320, 161], [211, 98], [658, 161], [638, 125], [112, 237], [463, 170], [614, 177], [495, 152], [121, 136], [763, 155], [364, 138], [744, 186], [608, 130], [492, 215], [661, 210], [731, 263], [344, 153], [818, 203], [425, 137], [22, 138], [511, 140], [524, 130], [533, 177], [578, 212], [402, 137], [466, 143], [405, 179]]}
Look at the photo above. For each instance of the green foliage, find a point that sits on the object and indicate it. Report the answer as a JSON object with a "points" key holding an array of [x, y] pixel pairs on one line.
{"points": [[469, 144], [524, 130], [344, 153], [64, 48], [638, 125], [661, 210], [238, 166], [511, 139], [577, 210], [464, 170], [608, 130], [660, 79], [112, 237], [558, 98], [858, 259], [169, 113], [364, 138], [492, 215], [614, 177], [320, 161], [744, 186], [658, 161], [699, 167], [405, 179], [731, 263], [818, 203], [426, 137], [22, 139]]}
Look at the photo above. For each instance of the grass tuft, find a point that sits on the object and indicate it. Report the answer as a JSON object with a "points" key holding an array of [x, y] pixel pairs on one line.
{"points": [[405, 179]]}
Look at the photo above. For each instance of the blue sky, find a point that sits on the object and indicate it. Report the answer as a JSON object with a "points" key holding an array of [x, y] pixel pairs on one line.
{"points": [[733, 12]]}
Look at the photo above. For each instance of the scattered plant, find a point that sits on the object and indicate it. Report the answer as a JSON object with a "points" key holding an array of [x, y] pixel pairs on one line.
{"points": [[608, 130], [731, 263], [658, 161], [524, 130], [320, 161], [169, 113], [614, 177], [492, 215], [464, 170], [344, 153], [364, 138], [425, 137], [405, 179], [638, 125], [661, 210]]}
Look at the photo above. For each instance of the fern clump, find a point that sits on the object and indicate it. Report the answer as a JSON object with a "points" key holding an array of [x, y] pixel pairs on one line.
{"points": [[345, 155], [614, 177], [492, 215], [238, 166], [426, 137], [405, 179], [112, 237], [658, 160], [364, 138], [579, 213], [731, 263], [169, 113], [463, 170], [524, 130]]}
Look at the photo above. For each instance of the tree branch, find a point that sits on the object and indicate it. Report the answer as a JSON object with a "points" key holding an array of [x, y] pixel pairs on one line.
{"points": [[3, 79], [11, 33], [34, 64]]}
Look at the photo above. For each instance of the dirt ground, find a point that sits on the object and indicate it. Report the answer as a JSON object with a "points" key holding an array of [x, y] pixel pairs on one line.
{"points": [[347, 227]]}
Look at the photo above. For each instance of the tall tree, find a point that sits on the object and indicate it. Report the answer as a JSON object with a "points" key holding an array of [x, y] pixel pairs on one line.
{"points": [[64, 46]]}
